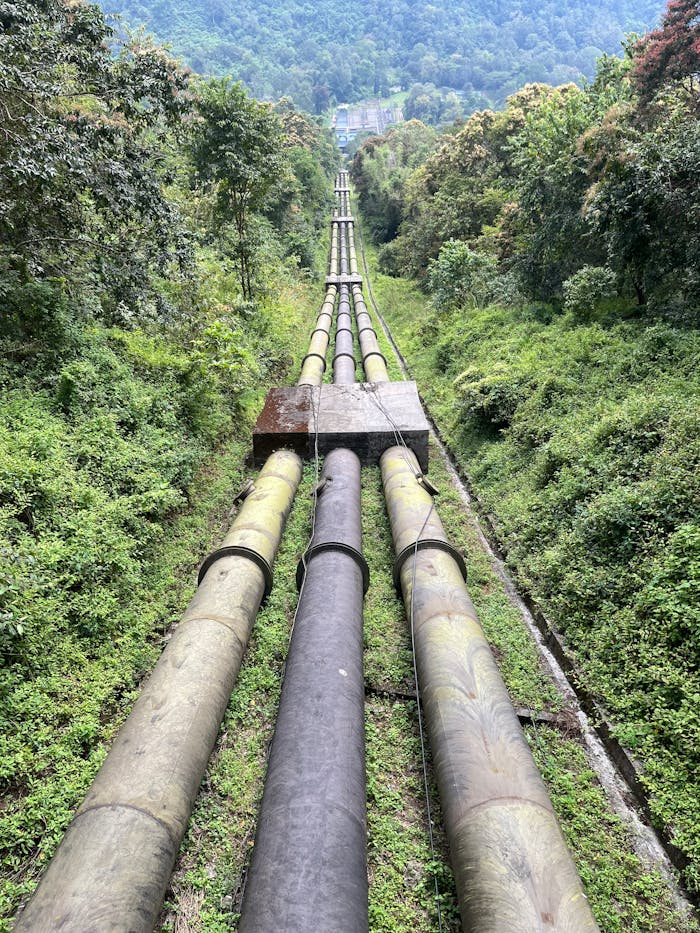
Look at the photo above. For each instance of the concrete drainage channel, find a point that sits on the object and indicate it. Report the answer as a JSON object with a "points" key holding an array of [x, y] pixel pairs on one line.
{"points": [[513, 871], [616, 771]]}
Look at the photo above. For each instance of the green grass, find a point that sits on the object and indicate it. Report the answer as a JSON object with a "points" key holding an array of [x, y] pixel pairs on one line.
{"points": [[624, 894], [117, 470]]}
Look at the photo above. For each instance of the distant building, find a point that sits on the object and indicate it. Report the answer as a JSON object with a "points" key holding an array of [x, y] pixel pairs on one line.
{"points": [[365, 117]]}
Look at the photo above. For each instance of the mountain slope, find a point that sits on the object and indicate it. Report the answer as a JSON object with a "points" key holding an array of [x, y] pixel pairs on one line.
{"points": [[314, 52]]}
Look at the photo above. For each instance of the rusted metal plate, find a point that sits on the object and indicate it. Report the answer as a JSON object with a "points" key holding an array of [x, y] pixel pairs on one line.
{"points": [[362, 417]]}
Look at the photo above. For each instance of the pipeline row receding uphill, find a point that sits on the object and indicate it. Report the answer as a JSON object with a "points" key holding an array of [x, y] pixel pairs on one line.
{"points": [[513, 871], [309, 867]]}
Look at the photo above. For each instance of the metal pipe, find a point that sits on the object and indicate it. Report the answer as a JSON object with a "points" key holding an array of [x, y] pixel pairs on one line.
{"points": [[344, 359], [314, 363], [112, 868], [309, 866], [373, 361], [513, 870], [309, 869]]}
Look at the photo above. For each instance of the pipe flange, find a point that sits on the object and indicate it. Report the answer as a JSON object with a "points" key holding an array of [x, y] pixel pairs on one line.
{"points": [[374, 353], [364, 330], [319, 330], [343, 330], [423, 545], [349, 356], [343, 548], [241, 551], [318, 357]]}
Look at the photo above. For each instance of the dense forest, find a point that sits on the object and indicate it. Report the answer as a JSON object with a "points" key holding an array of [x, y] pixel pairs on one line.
{"points": [[557, 245], [162, 237], [141, 310], [324, 52]]}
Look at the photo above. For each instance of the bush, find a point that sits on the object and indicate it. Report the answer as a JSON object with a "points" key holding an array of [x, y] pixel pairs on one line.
{"points": [[586, 288]]}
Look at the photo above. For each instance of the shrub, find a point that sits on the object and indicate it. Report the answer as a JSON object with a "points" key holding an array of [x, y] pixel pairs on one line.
{"points": [[586, 288]]}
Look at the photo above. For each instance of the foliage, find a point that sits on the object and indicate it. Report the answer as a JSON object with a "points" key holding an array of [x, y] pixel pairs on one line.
{"points": [[236, 150], [671, 53], [587, 288], [82, 114], [433, 106], [581, 441], [463, 278], [317, 53], [561, 181], [381, 167]]}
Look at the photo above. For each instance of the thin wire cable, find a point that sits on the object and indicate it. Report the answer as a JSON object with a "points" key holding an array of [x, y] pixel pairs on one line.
{"points": [[398, 436]]}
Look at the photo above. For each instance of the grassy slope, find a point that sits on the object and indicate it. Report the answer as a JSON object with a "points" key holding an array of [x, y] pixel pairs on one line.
{"points": [[116, 475], [581, 441]]}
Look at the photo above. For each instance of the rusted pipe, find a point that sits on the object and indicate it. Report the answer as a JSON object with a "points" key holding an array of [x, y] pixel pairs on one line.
{"points": [[112, 868], [513, 870], [309, 868]]}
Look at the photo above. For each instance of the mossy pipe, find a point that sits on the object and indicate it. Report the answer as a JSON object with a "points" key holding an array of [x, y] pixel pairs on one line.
{"points": [[513, 870], [373, 360], [112, 868], [313, 366], [314, 363]]}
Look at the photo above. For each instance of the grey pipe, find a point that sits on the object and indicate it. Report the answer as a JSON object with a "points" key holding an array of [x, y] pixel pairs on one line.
{"points": [[309, 869], [309, 866]]}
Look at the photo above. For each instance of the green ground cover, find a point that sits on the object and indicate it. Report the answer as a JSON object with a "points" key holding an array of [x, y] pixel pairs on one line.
{"points": [[119, 454], [582, 442]]}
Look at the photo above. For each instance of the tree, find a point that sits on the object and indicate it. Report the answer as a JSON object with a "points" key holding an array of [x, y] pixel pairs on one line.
{"points": [[237, 152], [671, 53], [81, 117]]}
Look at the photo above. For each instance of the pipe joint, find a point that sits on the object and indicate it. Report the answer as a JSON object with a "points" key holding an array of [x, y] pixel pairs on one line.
{"points": [[425, 544], [340, 547], [242, 551], [317, 356], [374, 353]]}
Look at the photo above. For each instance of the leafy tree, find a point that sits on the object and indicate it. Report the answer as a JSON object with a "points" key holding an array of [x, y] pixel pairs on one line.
{"points": [[671, 53], [236, 150], [482, 50], [82, 117]]}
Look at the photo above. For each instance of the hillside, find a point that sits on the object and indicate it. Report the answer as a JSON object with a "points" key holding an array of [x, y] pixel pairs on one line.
{"points": [[316, 52], [554, 325]]}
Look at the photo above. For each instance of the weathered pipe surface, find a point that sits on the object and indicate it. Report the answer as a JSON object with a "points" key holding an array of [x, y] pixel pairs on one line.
{"points": [[373, 361], [111, 871], [314, 363], [309, 869], [513, 871]]}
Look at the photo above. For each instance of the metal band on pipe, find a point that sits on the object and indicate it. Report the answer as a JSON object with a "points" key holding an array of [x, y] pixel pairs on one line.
{"points": [[364, 330], [374, 353], [343, 548], [349, 356], [426, 544], [319, 330], [318, 357], [238, 549]]}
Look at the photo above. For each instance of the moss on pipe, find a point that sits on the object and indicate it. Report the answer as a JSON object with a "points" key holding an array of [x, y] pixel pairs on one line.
{"points": [[111, 871], [513, 870]]}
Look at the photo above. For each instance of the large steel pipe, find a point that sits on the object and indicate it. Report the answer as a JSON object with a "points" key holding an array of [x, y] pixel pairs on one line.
{"points": [[513, 870], [111, 871], [314, 363], [373, 361], [344, 358], [309, 869]]}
